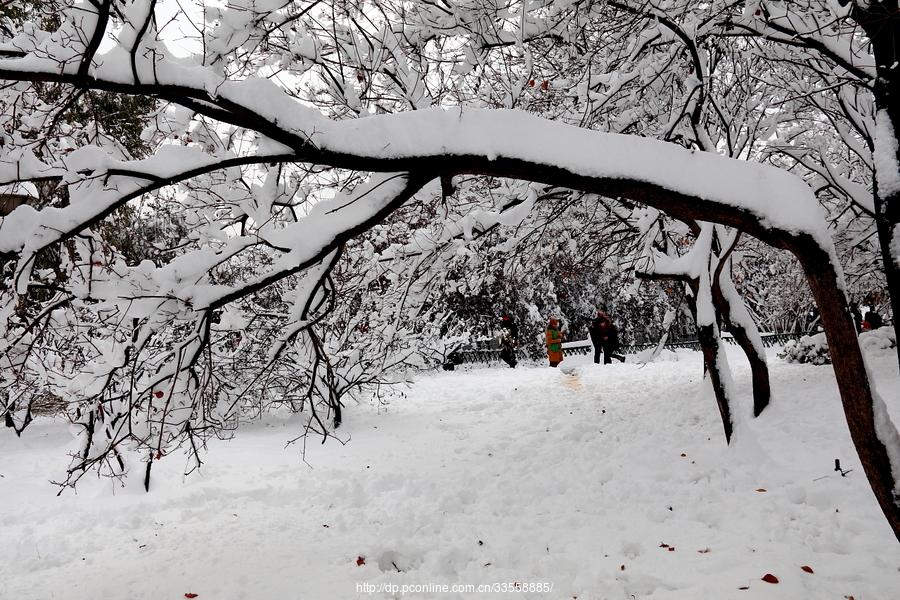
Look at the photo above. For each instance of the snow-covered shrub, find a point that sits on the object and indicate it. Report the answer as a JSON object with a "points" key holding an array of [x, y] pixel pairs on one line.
{"points": [[878, 340], [808, 349]]}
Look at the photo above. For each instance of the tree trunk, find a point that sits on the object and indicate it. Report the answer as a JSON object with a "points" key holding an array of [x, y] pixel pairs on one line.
{"points": [[759, 368], [710, 346], [852, 378], [881, 22], [336, 407]]}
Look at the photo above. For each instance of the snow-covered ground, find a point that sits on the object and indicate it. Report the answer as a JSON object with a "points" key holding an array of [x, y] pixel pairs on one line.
{"points": [[608, 482]]}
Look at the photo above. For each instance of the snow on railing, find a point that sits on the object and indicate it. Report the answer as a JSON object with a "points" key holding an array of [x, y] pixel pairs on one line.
{"points": [[488, 355]]}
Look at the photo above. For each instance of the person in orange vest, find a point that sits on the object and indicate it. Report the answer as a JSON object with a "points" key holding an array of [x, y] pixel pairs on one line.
{"points": [[554, 342]]}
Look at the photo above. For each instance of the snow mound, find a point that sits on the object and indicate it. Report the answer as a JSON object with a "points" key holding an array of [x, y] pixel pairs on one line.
{"points": [[646, 356], [878, 340], [569, 369]]}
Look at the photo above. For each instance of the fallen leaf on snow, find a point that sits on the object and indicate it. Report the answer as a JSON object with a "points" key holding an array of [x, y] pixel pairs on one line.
{"points": [[360, 561], [760, 489], [190, 595], [807, 568], [769, 578], [704, 551]]}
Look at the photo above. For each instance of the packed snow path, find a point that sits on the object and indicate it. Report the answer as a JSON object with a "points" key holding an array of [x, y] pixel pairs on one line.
{"points": [[611, 482]]}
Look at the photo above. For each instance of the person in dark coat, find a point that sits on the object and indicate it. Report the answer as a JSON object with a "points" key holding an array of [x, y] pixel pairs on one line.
{"points": [[509, 341], [605, 338], [872, 321]]}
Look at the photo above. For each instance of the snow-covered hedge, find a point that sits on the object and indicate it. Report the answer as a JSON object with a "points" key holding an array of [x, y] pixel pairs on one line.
{"points": [[808, 349], [814, 349], [880, 339]]}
